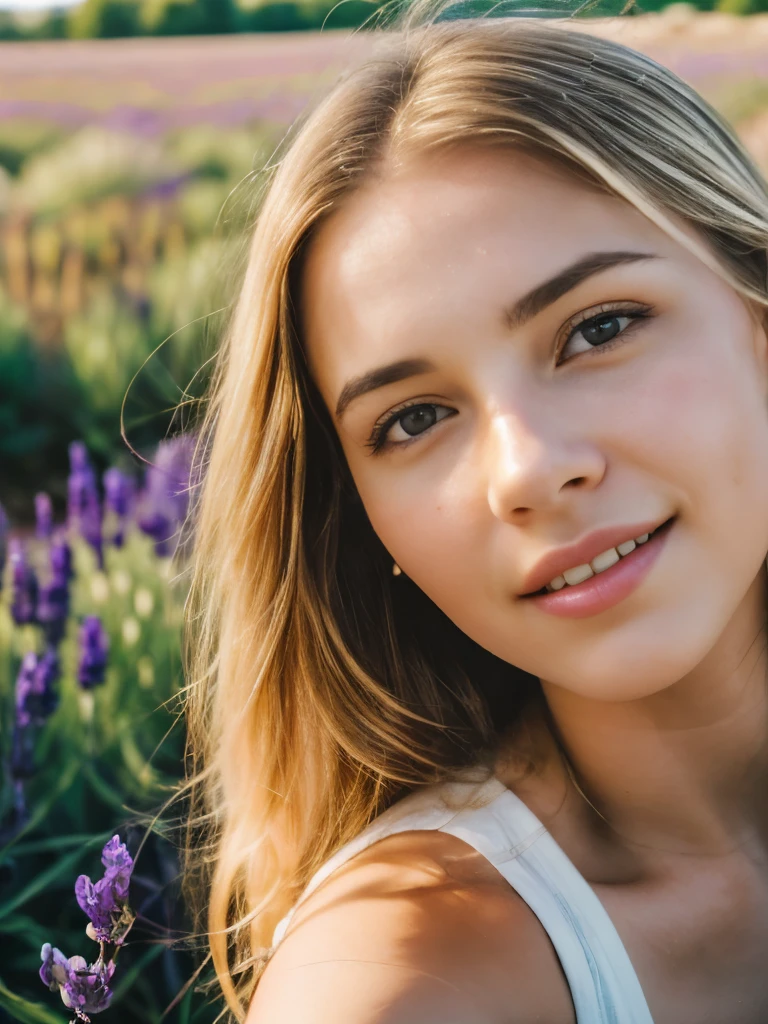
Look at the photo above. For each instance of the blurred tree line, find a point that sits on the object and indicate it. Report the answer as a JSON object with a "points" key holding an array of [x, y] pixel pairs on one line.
{"points": [[112, 19], [109, 19]]}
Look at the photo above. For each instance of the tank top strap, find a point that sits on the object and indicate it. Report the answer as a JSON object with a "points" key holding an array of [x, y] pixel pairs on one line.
{"points": [[494, 821], [603, 983]]}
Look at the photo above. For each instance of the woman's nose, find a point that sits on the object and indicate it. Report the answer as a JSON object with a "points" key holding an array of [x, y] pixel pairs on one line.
{"points": [[537, 469]]}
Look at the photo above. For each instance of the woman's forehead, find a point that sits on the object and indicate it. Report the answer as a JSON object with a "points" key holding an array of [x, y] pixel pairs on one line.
{"points": [[405, 250], [426, 223], [446, 198]]}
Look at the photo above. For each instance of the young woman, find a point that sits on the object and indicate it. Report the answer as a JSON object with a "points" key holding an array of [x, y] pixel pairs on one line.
{"points": [[478, 616]]}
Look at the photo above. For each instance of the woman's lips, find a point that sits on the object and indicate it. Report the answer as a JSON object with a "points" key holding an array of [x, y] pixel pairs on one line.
{"points": [[605, 589]]}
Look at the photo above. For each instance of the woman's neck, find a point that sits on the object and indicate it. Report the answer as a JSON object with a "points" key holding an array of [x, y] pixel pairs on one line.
{"points": [[684, 770]]}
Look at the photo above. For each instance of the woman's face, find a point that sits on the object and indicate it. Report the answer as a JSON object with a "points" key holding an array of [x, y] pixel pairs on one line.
{"points": [[486, 430]]}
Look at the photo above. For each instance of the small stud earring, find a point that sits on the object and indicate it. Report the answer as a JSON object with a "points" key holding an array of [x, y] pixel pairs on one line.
{"points": [[396, 570]]}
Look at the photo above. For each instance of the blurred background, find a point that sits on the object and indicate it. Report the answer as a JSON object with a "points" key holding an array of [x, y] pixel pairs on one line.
{"points": [[132, 134]]}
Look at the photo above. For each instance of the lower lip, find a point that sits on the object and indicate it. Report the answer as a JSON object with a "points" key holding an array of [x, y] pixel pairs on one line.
{"points": [[605, 589]]}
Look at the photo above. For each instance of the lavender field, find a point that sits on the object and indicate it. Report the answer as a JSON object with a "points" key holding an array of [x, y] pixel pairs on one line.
{"points": [[129, 175], [153, 86]]}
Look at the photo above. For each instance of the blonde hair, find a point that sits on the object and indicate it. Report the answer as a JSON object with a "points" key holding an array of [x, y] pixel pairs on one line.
{"points": [[317, 693]]}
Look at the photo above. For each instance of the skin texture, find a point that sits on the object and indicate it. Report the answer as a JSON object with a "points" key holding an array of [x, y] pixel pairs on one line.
{"points": [[538, 439], [410, 931]]}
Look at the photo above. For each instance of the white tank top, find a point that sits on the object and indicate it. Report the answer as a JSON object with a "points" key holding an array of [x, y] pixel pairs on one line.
{"points": [[496, 823]]}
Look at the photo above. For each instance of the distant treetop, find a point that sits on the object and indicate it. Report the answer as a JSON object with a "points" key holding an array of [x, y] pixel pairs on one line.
{"points": [[111, 19]]}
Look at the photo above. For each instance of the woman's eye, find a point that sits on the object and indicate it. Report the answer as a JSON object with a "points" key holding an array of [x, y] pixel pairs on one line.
{"points": [[407, 424], [415, 421], [598, 331]]}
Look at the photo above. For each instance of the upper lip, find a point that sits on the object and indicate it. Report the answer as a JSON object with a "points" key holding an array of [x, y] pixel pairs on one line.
{"points": [[555, 562]]}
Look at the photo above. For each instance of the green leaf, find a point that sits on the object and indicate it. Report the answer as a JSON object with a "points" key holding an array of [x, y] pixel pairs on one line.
{"points": [[25, 1011], [130, 976], [186, 1006], [25, 928], [41, 881], [40, 812], [60, 843], [102, 788]]}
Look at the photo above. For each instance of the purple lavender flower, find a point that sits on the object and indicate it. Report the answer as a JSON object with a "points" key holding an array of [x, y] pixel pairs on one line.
{"points": [[55, 969], [53, 608], [94, 645], [84, 989], [165, 497], [98, 903], [3, 540], [53, 594], [81, 480], [119, 491], [25, 684], [78, 457], [43, 515], [106, 902], [47, 675], [61, 556], [36, 698], [119, 867], [24, 599], [83, 505]]}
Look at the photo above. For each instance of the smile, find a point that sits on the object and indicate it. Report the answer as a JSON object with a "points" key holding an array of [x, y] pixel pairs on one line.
{"points": [[578, 574], [607, 579]]}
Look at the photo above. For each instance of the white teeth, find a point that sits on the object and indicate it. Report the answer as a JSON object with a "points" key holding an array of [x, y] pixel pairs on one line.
{"points": [[598, 564], [605, 560], [578, 574]]}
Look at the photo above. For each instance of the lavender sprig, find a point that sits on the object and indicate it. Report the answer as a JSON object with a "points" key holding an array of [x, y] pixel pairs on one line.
{"points": [[119, 493], [3, 540], [36, 698], [106, 901], [86, 988], [24, 583], [53, 595], [83, 504], [43, 516], [166, 493], [82, 988], [94, 648]]}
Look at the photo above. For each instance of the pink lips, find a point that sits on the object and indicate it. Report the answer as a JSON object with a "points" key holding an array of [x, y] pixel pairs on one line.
{"points": [[605, 589]]}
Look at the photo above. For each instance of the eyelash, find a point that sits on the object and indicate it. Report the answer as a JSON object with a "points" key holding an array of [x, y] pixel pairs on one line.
{"points": [[638, 312], [377, 441]]}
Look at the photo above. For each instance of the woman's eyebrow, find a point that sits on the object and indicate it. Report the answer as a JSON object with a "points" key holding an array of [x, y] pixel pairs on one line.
{"points": [[379, 378], [527, 307], [549, 291]]}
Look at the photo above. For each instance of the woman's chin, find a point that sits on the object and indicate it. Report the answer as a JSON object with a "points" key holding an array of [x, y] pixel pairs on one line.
{"points": [[635, 673]]}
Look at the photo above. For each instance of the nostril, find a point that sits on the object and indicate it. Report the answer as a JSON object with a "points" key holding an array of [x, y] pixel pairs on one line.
{"points": [[576, 482]]}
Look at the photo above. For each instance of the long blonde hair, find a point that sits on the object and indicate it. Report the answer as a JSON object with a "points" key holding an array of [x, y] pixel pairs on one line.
{"points": [[317, 694]]}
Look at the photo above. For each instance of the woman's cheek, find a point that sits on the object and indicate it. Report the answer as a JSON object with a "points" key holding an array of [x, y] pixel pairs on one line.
{"points": [[663, 413], [427, 524]]}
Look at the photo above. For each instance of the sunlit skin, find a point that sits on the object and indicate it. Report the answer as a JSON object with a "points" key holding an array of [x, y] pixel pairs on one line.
{"points": [[534, 438]]}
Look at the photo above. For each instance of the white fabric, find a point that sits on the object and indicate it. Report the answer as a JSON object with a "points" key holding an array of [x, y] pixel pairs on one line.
{"points": [[496, 823]]}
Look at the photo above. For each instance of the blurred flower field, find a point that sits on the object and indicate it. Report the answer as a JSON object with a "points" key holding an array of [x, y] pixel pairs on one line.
{"points": [[113, 247], [128, 180], [90, 618]]}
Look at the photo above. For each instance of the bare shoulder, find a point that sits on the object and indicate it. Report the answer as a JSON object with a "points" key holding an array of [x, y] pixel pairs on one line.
{"points": [[417, 929]]}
